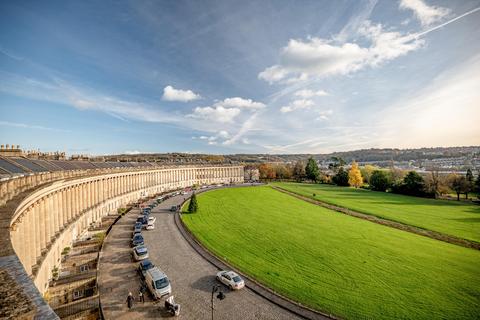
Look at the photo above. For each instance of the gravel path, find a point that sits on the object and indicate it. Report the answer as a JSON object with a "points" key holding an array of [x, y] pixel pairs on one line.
{"points": [[191, 276]]}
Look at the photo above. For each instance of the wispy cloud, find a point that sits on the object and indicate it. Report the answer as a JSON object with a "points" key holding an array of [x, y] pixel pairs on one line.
{"points": [[30, 126], [317, 58], [427, 15]]}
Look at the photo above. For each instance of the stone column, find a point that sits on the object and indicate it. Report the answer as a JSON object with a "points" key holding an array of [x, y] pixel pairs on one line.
{"points": [[38, 240]]}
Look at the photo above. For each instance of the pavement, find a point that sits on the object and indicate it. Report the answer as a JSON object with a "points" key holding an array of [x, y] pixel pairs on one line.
{"points": [[191, 276]]}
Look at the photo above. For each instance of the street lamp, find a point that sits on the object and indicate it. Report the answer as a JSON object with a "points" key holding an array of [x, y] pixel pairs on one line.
{"points": [[220, 295]]}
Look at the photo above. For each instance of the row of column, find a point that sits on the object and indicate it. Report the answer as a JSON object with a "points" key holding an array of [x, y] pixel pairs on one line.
{"points": [[40, 224]]}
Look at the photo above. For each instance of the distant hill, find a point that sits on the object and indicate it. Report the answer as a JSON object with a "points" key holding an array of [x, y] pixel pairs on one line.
{"points": [[363, 155]]}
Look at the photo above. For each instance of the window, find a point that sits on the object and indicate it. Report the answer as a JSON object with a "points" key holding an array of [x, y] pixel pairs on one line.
{"points": [[77, 294], [83, 268]]}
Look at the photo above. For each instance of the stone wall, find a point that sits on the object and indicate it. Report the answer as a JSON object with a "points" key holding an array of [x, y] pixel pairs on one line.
{"points": [[55, 214]]}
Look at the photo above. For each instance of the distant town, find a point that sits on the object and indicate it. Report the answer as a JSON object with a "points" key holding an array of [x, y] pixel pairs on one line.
{"points": [[444, 159]]}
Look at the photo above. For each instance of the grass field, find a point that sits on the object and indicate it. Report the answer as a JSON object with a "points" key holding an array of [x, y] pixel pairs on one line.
{"points": [[450, 217], [339, 264]]}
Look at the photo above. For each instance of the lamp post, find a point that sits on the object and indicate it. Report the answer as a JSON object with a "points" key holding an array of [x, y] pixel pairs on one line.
{"points": [[220, 295]]}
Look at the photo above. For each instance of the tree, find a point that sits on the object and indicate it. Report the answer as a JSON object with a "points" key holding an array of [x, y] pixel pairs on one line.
{"points": [[367, 171], [433, 183], [459, 184], [379, 181], [193, 205], [354, 176], [266, 171], [395, 175], [311, 170], [477, 185], [470, 182], [414, 184], [299, 171], [341, 178], [282, 172], [337, 163]]}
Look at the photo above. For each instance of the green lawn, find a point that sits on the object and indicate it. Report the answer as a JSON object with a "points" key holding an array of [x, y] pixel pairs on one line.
{"points": [[449, 217], [339, 264]]}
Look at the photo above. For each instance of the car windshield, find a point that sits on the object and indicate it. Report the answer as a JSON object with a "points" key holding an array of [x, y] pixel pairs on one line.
{"points": [[147, 265], [138, 237], [162, 283], [237, 279], [141, 249]]}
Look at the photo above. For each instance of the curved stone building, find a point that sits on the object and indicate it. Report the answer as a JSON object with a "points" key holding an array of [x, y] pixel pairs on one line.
{"points": [[40, 215]]}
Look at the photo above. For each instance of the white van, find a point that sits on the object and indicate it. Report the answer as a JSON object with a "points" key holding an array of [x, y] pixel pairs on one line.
{"points": [[158, 283]]}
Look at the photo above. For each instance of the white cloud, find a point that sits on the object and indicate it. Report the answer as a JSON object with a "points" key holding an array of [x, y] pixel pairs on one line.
{"points": [[215, 113], [307, 93], [296, 105], [317, 57], [427, 15], [238, 102], [225, 111], [172, 94], [220, 137]]}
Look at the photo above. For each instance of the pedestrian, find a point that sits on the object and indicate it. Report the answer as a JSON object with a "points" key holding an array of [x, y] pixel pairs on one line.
{"points": [[141, 297], [130, 300]]}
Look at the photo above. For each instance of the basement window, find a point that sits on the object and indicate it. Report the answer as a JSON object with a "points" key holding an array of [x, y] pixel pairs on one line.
{"points": [[78, 294]]}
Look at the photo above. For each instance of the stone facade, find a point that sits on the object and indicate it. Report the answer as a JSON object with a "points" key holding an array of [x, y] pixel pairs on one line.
{"points": [[55, 214]]}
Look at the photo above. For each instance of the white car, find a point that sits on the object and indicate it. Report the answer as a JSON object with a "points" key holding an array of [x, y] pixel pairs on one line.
{"points": [[151, 223], [157, 282], [140, 253], [231, 279]]}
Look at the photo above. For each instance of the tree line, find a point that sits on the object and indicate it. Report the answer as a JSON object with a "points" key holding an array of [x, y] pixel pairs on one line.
{"points": [[432, 184]]}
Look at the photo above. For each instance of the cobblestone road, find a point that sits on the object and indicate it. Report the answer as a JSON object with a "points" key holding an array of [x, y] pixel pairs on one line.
{"points": [[191, 276]]}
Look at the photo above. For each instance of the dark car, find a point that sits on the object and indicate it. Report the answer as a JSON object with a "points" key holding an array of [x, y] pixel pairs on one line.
{"points": [[143, 219], [173, 208], [138, 228], [137, 240], [144, 266]]}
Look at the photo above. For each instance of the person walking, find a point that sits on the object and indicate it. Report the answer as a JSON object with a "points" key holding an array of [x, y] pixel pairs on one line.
{"points": [[130, 300]]}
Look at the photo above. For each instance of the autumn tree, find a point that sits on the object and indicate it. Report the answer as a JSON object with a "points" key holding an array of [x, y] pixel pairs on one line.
{"points": [[299, 171], [367, 171], [311, 170], [267, 172], [355, 176]]}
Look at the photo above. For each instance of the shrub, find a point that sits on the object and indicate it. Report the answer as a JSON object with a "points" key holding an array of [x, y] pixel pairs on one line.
{"points": [[193, 205], [341, 178], [379, 181]]}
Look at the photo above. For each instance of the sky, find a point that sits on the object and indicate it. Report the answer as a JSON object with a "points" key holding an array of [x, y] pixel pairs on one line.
{"points": [[280, 76]]}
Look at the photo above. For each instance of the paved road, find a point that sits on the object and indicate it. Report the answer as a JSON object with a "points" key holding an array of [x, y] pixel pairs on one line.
{"points": [[191, 276]]}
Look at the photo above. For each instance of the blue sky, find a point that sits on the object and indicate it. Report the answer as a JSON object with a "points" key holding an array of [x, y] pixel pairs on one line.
{"points": [[103, 77]]}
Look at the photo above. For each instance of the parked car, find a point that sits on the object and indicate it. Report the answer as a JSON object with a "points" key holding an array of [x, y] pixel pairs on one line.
{"points": [[137, 229], [140, 253], [137, 240], [137, 224], [230, 279], [144, 266], [151, 223], [173, 208], [142, 219], [157, 283]]}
